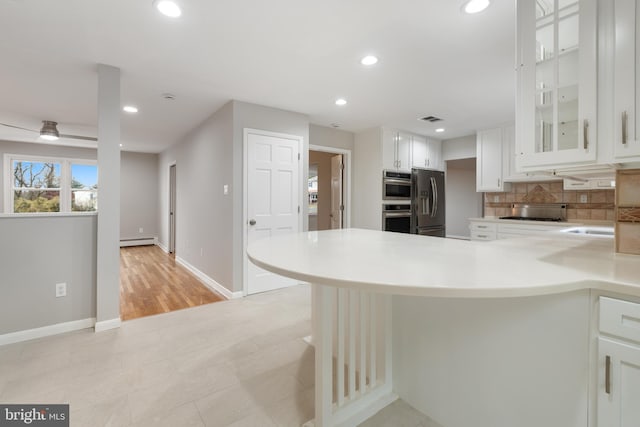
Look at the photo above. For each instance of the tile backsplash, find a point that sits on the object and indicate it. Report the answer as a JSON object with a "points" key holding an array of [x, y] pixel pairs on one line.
{"points": [[628, 211], [581, 204]]}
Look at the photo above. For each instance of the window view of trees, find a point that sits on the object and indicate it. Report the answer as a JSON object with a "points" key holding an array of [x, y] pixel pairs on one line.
{"points": [[84, 188], [53, 185], [36, 187]]}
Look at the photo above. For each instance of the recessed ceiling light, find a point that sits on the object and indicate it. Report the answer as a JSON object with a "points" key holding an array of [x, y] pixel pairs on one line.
{"points": [[369, 60], [168, 8], [120, 145], [341, 101], [475, 6], [130, 109], [440, 130]]}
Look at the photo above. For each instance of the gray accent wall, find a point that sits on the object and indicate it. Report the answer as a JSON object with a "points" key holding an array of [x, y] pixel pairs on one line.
{"points": [[138, 195], [36, 253], [209, 224]]}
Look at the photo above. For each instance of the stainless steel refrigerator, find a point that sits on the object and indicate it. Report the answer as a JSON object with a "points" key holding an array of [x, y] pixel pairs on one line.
{"points": [[427, 194]]}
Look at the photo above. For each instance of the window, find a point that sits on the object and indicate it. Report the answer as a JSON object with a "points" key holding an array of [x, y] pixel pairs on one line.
{"points": [[37, 184]]}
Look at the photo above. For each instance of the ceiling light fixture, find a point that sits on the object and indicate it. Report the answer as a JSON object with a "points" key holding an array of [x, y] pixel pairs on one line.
{"points": [[369, 60], [341, 101], [440, 130], [130, 109], [475, 6], [168, 8], [49, 131]]}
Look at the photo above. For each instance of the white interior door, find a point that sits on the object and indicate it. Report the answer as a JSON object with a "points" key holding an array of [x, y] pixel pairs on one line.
{"points": [[172, 209], [336, 191], [273, 198]]}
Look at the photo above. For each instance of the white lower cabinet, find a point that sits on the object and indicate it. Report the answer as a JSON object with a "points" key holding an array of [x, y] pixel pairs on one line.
{"points": [[495, 230], [619, 364], [483, 230]]}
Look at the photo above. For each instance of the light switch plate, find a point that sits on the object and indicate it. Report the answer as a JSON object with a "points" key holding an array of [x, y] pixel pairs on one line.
{"points": [[225, 189], [61, 290]]}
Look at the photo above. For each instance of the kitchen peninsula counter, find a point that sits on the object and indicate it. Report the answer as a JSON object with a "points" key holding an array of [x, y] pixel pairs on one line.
{"points": [[402, 264], [484, 334]]}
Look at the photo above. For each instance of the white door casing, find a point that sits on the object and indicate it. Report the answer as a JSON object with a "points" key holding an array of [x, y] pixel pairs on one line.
{"points": [[272, 198], [336, 191]]}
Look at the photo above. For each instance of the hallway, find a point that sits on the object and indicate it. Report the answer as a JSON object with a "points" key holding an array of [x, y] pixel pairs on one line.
{"points": [[151, 282]]}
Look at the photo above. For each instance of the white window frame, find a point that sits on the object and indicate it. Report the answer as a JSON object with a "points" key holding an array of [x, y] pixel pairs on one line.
{"points": [[65, 178]]}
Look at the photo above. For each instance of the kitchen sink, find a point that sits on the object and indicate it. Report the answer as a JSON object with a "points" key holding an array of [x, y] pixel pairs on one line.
{"points": [[592, 231]]}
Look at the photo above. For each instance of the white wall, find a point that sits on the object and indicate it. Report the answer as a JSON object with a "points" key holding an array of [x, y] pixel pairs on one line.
{"points": [[330, 137], [35, 254], [138, 195], [491, 362], [462, 200], [367, 180], [209, 225], [459, 148]]}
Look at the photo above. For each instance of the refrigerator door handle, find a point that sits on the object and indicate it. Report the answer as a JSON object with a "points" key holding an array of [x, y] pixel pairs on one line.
{"points": [[434, 198]]}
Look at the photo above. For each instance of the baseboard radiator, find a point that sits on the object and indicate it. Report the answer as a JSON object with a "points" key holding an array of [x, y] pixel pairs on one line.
{"points": [[143, 241]]}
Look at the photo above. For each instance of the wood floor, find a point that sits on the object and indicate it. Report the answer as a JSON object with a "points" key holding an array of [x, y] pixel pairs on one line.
{"points": [[151, 282]]}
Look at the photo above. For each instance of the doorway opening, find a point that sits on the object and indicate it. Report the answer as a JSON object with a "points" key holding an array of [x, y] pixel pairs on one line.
{"points": [[326, 189], [172, 209], [462, 200]]}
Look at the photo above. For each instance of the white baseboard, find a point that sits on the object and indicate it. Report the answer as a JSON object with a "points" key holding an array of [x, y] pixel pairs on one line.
{"points": [[162, 246], [208, 281], [139, 242], [105, 325], [46, 331]]}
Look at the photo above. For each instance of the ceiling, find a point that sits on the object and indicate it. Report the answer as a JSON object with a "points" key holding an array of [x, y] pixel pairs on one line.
{"points": [[295, 55]]}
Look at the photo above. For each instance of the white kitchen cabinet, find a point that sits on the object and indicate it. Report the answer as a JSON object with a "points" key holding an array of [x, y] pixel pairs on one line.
{"points": [[490, 163], [618, 364], [481, 230], [556, 94], [396, 150], [626, 91], [497, 229], [426, 153]]}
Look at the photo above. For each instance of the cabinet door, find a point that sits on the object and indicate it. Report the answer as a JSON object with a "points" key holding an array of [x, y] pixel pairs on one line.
{"points": [[489, 160], [403, 151], [556, 106], [627, 67], [389, 149], [618, 384], [434, 153], [420, 152]]}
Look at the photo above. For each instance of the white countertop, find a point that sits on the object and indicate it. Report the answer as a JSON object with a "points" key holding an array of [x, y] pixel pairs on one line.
{"points": [[407, 264]]}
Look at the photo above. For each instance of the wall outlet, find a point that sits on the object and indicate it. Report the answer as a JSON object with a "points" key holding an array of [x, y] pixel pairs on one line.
{"points": [[140, 230], [225, 189], [61, 290], [496, 199], [583, 198]]}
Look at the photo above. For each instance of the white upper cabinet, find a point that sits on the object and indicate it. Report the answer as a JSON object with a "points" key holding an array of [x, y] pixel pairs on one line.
{"points": [[557, 84], [426, 153], [403, 151], [396, 148], [626, 92], [490, 164], [420, 151]]}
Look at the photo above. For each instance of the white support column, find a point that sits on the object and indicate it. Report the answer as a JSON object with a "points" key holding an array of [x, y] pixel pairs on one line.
{"points": [[108, 246], [324, 356]]}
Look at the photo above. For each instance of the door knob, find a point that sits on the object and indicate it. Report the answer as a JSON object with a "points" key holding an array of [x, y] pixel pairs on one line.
{"points": [[252, 222]]}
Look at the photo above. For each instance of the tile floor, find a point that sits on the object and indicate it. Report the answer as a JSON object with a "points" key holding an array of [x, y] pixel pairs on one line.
{"points": [[234, 363]]}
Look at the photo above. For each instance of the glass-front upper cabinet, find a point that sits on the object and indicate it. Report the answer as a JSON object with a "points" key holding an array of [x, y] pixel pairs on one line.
{"points": [[556, 93]]}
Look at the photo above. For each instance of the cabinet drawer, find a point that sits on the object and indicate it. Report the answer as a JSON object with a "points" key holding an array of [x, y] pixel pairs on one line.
{"points": [[484, 226], [620, 318], [483, 235]]}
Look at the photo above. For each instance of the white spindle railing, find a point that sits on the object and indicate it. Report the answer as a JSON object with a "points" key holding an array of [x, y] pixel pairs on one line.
{"points": [[353, 334]]}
